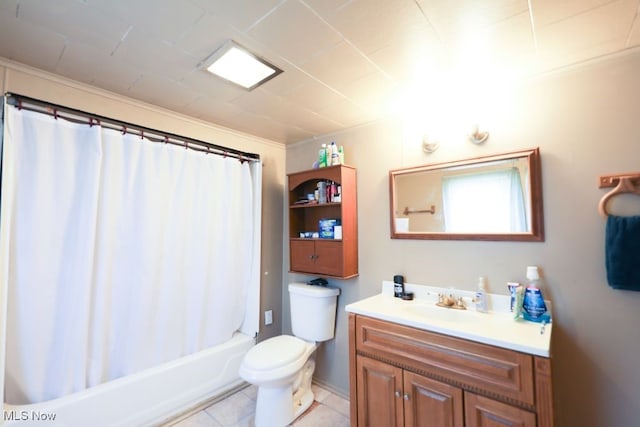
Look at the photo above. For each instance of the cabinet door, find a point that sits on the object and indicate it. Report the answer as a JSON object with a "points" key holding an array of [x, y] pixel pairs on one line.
{"points": [[329, 257], [430, 403], [302, 255], [481, 411], [379, 393]]}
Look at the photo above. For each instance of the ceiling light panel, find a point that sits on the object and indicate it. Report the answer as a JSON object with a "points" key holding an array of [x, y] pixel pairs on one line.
{"points": [[237, 65]]}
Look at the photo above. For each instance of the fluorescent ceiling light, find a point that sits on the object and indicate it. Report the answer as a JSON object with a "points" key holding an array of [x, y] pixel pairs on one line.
{"points": [[234, 63]]}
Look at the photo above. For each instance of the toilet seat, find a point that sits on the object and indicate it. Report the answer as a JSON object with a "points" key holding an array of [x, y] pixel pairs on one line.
{"points": [[275, 352], [276, 360]]}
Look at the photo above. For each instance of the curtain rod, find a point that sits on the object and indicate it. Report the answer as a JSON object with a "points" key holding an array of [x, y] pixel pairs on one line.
{"points": [[82, 117]]}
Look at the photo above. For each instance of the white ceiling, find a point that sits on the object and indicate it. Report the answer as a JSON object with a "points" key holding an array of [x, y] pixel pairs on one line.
{"points": [[344, 61]]}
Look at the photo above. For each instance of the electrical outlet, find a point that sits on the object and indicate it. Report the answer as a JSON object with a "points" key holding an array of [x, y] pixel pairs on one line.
{"points": [[268, 317]]}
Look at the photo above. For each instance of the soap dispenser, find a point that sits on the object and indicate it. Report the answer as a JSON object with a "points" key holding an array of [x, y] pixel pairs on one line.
{"points": [[482, 304]]}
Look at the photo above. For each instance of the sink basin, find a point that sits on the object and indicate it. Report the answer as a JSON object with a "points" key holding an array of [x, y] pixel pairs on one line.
{"points": [[441, 313]]}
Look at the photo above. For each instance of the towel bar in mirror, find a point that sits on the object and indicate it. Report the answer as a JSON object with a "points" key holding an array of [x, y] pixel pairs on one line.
{"points": [[497, 197]]}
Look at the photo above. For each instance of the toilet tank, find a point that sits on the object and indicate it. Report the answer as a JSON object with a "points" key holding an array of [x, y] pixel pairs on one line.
{"points": [[313, 311]]}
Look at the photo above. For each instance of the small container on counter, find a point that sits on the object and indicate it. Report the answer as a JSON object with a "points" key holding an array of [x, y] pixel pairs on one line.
{"points": [[398, 285]]}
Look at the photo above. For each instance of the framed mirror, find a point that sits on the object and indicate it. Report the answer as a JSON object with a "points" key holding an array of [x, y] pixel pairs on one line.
{"points": [[497, 197]]}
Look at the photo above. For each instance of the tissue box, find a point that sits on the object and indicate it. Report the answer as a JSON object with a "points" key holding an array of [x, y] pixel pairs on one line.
{"points": [[327, 228]]}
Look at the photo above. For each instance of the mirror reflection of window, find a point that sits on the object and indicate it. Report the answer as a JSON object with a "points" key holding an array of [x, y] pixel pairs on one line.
{"points": [[490, 201]]}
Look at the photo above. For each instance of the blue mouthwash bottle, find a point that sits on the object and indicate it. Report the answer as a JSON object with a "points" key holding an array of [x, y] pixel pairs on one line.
{"points": [[533, 306]]}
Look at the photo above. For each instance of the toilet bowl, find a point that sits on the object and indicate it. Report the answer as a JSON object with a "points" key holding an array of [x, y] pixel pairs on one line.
{"points": [[282, 367]]}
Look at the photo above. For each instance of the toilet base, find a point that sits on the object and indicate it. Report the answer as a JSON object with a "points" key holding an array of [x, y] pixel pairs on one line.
{"points": [[280, 406], [274, 406]]}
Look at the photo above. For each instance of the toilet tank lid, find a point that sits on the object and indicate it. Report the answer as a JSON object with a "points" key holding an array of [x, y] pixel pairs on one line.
{"points": [[313, 291]]}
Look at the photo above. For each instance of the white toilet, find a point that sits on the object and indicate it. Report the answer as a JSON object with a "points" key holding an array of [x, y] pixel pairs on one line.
{"points": [[282, 366]]}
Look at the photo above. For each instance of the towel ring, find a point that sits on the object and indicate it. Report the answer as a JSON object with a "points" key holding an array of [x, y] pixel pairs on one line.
{"points": [[625, 185]]}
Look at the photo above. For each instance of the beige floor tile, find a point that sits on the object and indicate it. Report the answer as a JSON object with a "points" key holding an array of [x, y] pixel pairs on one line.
{"points": [[199, 419], [230, 411], [322, 416], [238, 410], [251, 392], [337, 403]]}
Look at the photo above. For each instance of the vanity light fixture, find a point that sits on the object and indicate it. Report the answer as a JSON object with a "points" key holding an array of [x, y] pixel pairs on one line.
{"points": [[429, 147], [237, 65], [478, 137]]}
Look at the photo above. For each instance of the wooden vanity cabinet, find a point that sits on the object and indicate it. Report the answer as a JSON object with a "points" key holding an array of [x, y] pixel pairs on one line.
{"points": [[391, 396], [481, 411], [403, 376], [336, 258]]}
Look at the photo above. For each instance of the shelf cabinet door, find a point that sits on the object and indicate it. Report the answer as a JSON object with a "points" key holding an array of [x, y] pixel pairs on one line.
{"points": [[481, 411], [302, 255], [329, 257], [317, 256], [430, 403], [379, 394]]}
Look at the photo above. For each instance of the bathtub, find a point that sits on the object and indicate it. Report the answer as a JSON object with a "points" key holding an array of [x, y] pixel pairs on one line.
{"points": [[146, 398]]}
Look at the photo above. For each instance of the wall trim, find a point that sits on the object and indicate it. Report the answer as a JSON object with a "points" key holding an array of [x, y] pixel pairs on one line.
{"points": [[115, 97]]}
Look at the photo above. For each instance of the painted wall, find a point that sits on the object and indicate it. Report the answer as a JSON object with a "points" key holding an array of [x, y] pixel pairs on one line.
{"points": [[586, 122], [30, 82]]}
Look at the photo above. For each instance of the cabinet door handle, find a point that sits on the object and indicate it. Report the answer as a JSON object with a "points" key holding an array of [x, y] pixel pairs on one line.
{"points": [[406, 396], [397, 393]]}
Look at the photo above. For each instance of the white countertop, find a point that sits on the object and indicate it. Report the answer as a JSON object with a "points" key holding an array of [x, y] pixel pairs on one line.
{"points": [[498, 327]]}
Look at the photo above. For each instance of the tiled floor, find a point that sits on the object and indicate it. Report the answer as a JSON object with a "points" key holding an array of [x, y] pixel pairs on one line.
{"points": [[237, 410]]}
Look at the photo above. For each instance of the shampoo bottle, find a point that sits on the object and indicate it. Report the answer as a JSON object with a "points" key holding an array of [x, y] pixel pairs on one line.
{"points": [[533, 305]]}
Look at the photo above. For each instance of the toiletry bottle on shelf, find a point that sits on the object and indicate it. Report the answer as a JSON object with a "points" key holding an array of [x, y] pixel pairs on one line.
{"points": [[533, 305], [334, 192], [322, 192], [329, 148], [481, 296], [322, 156], [398, 286], [335, 156], [341, 154]]}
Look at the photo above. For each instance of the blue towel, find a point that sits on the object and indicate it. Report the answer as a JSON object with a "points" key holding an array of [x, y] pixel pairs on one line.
{"points": [[622, 252]]}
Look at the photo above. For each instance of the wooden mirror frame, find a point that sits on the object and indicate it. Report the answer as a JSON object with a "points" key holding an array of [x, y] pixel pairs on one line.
{"points": [[536, 234]]}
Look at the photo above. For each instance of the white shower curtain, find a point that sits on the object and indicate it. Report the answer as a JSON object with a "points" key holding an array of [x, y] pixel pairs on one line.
{"points": [[119, 253]]}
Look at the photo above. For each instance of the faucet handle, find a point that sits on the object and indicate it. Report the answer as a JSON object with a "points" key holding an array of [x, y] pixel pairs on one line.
{"points": [[460, 304]]}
